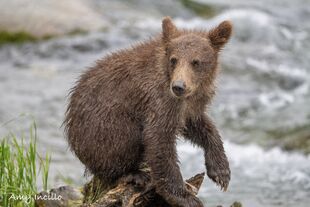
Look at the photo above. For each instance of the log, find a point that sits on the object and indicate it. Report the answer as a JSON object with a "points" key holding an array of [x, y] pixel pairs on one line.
{"points": [[121, 194]]}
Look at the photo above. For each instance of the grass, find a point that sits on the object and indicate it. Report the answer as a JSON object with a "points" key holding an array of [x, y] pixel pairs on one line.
{"points": [[20, 168]]}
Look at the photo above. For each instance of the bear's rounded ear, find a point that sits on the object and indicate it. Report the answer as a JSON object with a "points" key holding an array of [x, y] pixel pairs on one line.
{"points": [[220, 35], [170, 31]]}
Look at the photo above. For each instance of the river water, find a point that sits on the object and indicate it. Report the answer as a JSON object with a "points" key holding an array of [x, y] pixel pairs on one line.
{"points": [[263, 90]]}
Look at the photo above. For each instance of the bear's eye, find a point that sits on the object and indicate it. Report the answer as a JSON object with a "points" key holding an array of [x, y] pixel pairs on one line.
{"points": [[195, 63], [173, 61]]}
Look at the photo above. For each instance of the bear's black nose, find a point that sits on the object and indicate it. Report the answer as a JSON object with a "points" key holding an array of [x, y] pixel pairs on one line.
{"points": [[178, 87]]}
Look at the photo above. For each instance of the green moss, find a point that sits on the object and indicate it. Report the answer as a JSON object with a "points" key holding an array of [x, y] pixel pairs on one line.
{"points": [[301, 142], [200, 9], [297, 138], [236, 204], [17, 37], [95, 189], [22, 37], [77, 32]]}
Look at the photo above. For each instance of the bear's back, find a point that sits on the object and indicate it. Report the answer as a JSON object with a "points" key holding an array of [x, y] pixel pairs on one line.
{"points": [[125, 79]]}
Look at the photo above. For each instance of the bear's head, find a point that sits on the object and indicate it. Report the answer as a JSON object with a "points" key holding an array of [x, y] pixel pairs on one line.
{"points": [[191, 57]]}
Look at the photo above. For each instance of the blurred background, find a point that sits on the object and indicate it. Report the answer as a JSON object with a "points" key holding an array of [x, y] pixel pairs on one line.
{"points": [[262, 107]]}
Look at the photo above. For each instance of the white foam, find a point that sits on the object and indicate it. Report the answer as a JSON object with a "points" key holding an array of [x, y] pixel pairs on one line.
{"points": [[259, 18], [274, 100], [255, 163], [272, 166], [282, 69], [254, 153]]}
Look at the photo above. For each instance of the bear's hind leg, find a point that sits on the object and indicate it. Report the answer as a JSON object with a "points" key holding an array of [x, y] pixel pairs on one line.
{"points": [[123, 149], [139, 179]]}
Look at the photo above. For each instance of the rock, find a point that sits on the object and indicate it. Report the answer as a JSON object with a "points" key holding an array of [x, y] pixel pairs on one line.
{"points": [[201, 9], [59, 197], [47, 18], [236, 204], [296, 138]]}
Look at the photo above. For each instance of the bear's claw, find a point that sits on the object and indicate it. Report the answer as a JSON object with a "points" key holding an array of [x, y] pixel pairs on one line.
{"points": [[220, 177], [219, 172]]}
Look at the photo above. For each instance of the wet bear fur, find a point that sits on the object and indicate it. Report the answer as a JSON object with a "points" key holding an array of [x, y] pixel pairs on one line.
{"points": [[131, 106]]}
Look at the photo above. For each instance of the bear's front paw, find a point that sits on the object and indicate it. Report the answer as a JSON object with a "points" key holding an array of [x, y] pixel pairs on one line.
{"points": [[218, 170]]}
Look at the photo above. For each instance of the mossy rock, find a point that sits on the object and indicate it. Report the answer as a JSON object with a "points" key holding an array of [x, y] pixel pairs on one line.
{"points": [[23, 37], [236, 204], [295, 139], [201, 9], [300, 142], [17, 37]]}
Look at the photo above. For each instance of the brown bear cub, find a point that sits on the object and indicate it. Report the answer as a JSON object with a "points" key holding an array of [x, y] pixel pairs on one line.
{"points": [[131, 106]]}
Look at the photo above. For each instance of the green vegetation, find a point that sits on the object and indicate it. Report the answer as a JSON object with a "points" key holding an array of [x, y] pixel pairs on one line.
{"points": [[297, 138], [20, 169], [22, 37], [18, 37], [200, 9], [77, 32], [236, 204]]}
